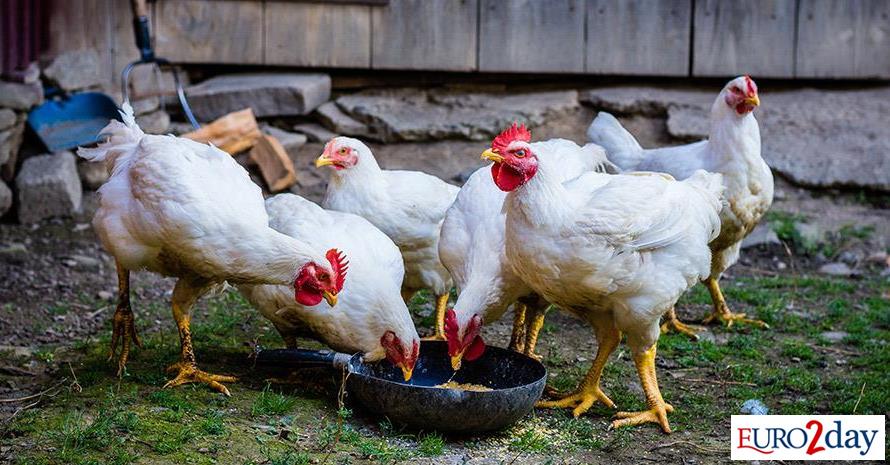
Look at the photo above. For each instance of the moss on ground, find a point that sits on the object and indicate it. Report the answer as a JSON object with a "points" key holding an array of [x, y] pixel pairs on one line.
{"points": [[793, 368]]}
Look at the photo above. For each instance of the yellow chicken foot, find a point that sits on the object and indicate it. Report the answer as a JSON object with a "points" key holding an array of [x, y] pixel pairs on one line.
{"points": [[441, 306], [673, 324], [589, 391], [517, 338], [186, 369], [123, 328], [533, 329], [721, 309], [658, 409]]}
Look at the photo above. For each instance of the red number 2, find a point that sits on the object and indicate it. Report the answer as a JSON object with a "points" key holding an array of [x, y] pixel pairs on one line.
{"points": [[813, 449]]}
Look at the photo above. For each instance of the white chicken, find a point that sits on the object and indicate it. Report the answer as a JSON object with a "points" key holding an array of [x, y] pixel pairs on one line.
{"points": [[180, 208], [471, 247], [615, 250], [733, 150], [408, 206], [371, 316]]}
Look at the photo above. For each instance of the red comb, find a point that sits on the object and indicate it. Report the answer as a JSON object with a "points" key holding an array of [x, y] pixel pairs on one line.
{"points": [[515, 132], [339, 266]]}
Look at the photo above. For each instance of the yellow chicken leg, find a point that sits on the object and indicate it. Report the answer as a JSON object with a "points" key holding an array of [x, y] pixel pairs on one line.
{"points": [[123, 328], [658, 409], [589, 390], [441, 307], [721, 310], [186, 369], [672, 323], [533, 329], [517, 338]]}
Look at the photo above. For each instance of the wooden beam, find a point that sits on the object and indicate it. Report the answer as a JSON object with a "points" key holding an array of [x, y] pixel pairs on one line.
{"points": [[317, 35], [199, 31]]}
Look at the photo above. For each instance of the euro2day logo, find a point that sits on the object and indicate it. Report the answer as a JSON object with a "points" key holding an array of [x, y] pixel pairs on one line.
{"points": [[807, 437]]}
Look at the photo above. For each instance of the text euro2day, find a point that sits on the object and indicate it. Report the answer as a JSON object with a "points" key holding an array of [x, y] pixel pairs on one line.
{"points": [[767, 440]]}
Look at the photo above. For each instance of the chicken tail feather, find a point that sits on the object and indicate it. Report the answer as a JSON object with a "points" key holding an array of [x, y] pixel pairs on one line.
{"points": [[120, 138]]}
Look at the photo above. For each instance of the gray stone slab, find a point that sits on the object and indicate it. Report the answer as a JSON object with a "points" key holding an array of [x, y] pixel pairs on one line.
{"points": [[75, 70], [5, 198], [48, 186], [337, 121], [291, 141], [417, 115], [268, 94], [315, 132], [7, 118], [156, 122], [20, 96], [11, 138]]}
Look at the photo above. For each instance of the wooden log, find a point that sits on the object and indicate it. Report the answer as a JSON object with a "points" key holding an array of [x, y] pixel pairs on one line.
{"points": [[233, 133], [275, 166]]}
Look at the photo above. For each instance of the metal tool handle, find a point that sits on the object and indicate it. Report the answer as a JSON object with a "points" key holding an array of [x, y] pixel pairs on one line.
{"points": [[301, 358], [142, 30]]}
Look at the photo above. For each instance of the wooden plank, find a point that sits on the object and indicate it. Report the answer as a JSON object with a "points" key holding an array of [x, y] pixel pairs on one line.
{"points": [[304, 34], [843, 39], [198, 31], [425, 34], [81, 25], [532, 35], [232, 133], [736, 37], [639, 37], [274, 163]]}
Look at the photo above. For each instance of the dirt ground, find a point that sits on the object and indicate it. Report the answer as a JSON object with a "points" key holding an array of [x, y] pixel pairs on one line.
{"points": [[826, 352]]}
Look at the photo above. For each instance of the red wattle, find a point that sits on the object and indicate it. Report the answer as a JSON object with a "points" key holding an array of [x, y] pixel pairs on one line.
{"points": [[308, 298], [505, 177], [475, 350]]}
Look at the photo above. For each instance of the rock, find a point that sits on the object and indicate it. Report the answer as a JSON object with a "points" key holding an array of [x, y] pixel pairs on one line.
{"points": [[315, 132], [268, 94], [754, 407], [7, 118], [334, 119], [291, 141], [105, 295], [761, 235], [836, 269], [48, 185], [145, 105], [810, 233], [834, 336], [156, 122], [419, 115], [5, 198], [13, 253], [75, 70], [85, 263], [19, 96], [92, 174], [11, 138], [652, 101], [851, 257]]}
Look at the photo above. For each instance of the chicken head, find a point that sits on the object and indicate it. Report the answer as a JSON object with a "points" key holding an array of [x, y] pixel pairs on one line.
{"points": [[463, 343], [514, 161], [741, 95], [341, 153], [315, 282], [400, 354]]}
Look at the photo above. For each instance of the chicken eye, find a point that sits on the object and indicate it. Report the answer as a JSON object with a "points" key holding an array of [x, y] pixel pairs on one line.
{"points": [[322, 276], [520, 153], [343, 151]]}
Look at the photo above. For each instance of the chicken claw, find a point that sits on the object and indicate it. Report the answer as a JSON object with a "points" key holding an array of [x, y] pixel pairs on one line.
{"points": [[721, 310], [189, 373], [673, 324], [656, 414], [123, 333], [579, 402]]}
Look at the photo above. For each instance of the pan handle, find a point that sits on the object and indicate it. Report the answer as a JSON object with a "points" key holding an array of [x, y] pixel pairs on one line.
{"points": [[141, 30], [301, 358]]}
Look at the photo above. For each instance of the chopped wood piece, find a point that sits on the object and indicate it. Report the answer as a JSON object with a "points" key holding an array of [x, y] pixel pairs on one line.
{"points": [[232, 133], [275, 166]]}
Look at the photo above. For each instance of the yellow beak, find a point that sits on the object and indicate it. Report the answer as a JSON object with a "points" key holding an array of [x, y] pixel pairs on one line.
{"points": [[323, 161], [490, 155], [407, 372], [755, 100], [330, 298], [455, 361]]}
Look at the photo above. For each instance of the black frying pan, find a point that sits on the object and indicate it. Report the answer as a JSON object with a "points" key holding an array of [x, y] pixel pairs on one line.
{"points": [[517, 382]]}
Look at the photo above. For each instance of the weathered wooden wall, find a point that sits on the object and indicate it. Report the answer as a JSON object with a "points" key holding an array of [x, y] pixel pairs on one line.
{"points": [[765, 38]]}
